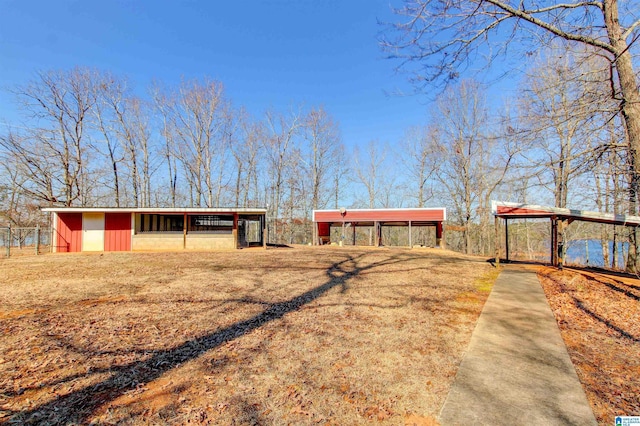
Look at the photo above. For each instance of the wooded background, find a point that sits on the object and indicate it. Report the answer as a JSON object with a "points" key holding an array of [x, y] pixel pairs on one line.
{"points": [[88, 137]]}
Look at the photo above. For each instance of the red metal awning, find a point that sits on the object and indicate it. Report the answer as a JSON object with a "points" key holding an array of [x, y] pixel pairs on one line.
{"points": [[507, 210], [428, 215]]}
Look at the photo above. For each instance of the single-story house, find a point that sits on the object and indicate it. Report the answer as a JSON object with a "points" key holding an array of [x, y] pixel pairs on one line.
{"points": [[133, 229]]}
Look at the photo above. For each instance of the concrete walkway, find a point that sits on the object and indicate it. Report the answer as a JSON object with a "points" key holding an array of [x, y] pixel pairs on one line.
{"points": [[516, 369]]}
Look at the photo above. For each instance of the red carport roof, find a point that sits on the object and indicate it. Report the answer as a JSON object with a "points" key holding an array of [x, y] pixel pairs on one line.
{"points": [[508, 210], [381, 215]]}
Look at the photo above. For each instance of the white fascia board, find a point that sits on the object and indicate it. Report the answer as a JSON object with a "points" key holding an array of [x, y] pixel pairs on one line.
{"points": [[153, 210]]}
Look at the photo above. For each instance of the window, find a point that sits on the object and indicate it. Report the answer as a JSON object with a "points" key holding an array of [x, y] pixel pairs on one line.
{"points": [[212, 224], [160, 223]]}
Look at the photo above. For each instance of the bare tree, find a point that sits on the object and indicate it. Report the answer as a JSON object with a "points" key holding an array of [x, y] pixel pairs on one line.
{"points": [[123, 122], [609, 184], [245, 150], [163, 105], [229, 128], [281, 132], [139, 120], [341, 175], [461, 147], [60, 102], [322, 140], [372, 177], [369, 172], [194, 119], [321, 146], [443, 38], [419, 158], [561, 107], [295, 199], [104, 125], [29, 156], [12, 193], [471, 161]]}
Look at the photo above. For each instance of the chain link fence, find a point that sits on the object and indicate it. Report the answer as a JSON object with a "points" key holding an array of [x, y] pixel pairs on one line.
{"points": [[24, 241]]}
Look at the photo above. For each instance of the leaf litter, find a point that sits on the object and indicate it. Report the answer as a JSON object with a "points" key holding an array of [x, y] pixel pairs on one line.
{"points": [[598, 317], [309, 335]]}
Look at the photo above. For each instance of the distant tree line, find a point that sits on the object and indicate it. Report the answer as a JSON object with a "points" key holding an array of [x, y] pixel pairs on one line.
{"points": [[87, 139]]}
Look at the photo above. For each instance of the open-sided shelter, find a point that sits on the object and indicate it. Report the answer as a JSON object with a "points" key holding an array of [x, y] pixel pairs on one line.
{"points": [[131, 229], [560, 219], [324, 219]]}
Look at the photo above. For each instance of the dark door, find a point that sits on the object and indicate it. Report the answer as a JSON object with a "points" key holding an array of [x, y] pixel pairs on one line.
{"points": [[242, 233]]}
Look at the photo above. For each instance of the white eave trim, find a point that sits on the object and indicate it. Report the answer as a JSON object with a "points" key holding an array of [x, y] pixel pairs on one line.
{"points": [[167, 210]]}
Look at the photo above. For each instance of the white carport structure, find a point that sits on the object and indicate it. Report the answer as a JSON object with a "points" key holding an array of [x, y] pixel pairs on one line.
{"points": [[560, 219]]}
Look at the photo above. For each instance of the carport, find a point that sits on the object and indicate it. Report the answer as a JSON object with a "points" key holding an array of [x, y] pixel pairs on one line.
{"points": [[323, 220], [560, 219]]}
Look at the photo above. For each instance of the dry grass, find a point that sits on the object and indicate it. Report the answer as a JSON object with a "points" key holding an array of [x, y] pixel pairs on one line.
{"points": [[24, 251], [286, 336], [598, 318]]}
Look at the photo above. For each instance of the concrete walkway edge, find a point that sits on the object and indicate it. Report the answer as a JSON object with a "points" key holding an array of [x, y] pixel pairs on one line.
{"points": [[516, 369]]}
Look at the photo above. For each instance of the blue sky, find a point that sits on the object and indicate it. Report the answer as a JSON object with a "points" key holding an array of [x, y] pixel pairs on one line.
{"points": [[268, 54]]}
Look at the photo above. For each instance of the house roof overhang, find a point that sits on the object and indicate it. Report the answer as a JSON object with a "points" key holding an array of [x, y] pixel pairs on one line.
{"points": [[155, 210]]}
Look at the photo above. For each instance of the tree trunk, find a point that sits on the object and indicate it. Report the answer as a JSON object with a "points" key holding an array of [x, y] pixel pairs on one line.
{"points": [[632, 254], [630, 111], [615, 254]]}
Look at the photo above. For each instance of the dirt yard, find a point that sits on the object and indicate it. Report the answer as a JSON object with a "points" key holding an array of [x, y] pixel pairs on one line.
{"points": [[599, 316], [286, 336]]}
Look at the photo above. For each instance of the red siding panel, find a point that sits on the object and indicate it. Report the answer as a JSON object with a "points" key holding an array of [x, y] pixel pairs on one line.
{"points": [[382, 215], [117, 232], [69, 232], [324, 230]]}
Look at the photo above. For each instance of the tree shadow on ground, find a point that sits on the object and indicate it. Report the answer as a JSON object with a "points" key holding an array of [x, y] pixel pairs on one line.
{"points": [[277, 245], [605, 321], [605, 271], [619, 286], [79, 405], [492, 261], [578, 303], [584, 270]]}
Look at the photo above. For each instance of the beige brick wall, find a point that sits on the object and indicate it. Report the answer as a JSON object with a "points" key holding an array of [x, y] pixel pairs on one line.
{"points": [[150, 242], [158, 242], [210, 241]]}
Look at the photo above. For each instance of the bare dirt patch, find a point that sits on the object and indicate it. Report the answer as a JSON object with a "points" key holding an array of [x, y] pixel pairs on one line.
{"points": [[286, 336], [598, 318]]}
